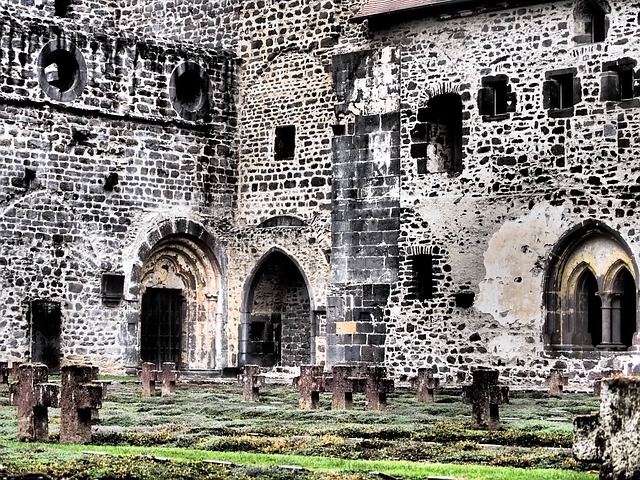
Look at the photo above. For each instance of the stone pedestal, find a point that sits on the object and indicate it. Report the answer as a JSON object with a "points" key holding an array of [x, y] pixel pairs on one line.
{"points": [[485, 397], [611, 436], [310, 383], [251, 381], [425, 384]]}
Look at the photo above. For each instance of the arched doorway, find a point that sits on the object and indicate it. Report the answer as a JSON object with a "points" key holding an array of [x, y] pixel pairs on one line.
{"points": [[591, 292], [179, 304], [277, 323]]}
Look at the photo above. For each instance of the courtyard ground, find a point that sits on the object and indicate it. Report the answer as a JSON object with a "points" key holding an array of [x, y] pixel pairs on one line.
{"points": [[196, 432]]}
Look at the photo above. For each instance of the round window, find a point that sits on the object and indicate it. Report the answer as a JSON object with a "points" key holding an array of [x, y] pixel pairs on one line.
{"points": [[189, 90], [62, 71]]}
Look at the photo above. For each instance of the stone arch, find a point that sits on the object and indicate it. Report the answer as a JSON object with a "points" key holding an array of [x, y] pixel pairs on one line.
{"points": [[180, 284], [278, 326], [591, 261]]}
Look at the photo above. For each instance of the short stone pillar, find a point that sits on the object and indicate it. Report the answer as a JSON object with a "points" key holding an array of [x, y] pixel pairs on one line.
{"points": [[598, 377], [485, 397], [376, 388], [345, 380], [611, 436], [148, 379], [5, 370], [149, 376], [79, 396], [425, 384], [310, 383], [556, 381], [251, 381], [33, 396], [169, 376]]}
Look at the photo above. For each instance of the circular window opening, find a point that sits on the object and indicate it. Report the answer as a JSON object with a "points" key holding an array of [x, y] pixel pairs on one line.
{"points": [[62, 72], [189, 91]]}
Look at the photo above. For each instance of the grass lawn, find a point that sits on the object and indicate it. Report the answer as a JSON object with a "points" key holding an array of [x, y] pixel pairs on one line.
{"points": [[170, 437]]}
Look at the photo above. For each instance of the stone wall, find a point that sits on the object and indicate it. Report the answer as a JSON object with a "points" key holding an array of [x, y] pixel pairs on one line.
{"points": [[527, 178], [84, 177], [428, 223]]}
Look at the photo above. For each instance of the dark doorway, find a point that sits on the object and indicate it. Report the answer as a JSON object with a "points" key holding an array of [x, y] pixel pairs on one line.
{"points": [[161, 326], [277, 329], [46, 326], [628, 307]]}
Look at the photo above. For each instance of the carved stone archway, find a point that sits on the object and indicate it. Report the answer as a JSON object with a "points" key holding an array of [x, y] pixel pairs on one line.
{"points": [[591, 292], [181, 308]]}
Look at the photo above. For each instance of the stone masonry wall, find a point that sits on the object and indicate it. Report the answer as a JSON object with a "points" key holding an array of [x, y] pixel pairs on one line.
{"points": [[82, 179], [526, 179]]}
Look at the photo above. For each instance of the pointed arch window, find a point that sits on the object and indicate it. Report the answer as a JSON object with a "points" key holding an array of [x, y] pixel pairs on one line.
{"points": [[591, 293]]}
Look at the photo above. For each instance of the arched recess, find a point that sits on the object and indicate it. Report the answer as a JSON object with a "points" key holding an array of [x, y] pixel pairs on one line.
{"points": [[591, 291], [181, 314], [277, 325], [591, 22]]}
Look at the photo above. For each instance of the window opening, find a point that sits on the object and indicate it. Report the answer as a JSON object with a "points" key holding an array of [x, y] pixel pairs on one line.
{"points": [[189, 90], [422, 269], [61, 8], [46, 326], [436, 139], [561, 91], [598, 26], [285, 144], [617, 80], [62, 71], [495, 99], [112, 288], [590, 21]]}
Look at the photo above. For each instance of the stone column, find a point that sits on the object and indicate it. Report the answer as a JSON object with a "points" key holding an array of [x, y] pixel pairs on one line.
{"points": [[616, 319], [605, 297]]}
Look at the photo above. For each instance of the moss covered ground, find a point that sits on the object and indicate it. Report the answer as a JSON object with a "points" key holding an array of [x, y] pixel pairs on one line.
{"points": [[211, 421]]}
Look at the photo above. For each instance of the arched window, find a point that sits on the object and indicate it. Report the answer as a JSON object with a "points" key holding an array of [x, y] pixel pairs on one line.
{"points": [[436, 138], [590, 21], [591, 292]]}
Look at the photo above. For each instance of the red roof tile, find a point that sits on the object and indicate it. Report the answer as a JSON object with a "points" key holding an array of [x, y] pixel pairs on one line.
{"points": [[381, 7]]}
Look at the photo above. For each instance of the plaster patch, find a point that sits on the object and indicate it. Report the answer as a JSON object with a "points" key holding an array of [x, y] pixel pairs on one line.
{"points": [[511, 290]]}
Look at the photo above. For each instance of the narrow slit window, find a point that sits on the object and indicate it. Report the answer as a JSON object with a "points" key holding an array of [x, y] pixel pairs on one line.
{"points": [[422, 270], [285, 145]]}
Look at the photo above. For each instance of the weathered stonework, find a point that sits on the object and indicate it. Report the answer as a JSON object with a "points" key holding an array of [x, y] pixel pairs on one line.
{"points": [[301, 182], [610, 436]]}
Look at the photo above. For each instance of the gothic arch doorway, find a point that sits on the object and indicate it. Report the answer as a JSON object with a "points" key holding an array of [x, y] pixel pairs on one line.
{"points": [[591, 292], [179, 313], [276, 326]]}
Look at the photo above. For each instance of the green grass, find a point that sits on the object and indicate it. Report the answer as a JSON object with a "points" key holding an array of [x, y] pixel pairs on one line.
{"points": [[411, 439], [403, 469]]}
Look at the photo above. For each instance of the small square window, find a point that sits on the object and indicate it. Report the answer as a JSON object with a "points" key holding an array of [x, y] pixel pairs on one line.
{"points": [[112, 287], [285, 145], [495, 99], [617, 81], [561, 91]]}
